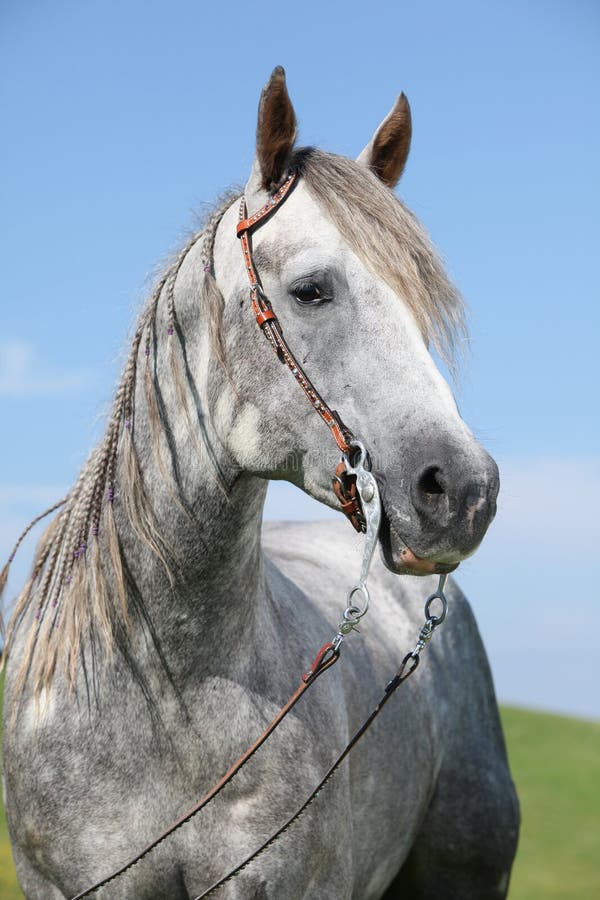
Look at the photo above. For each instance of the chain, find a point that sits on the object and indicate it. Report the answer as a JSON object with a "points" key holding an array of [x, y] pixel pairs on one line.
{"points": [[358, 597], [368, 491], [431, 621]]}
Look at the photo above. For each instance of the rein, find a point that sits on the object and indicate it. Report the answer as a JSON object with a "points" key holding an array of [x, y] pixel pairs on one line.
{"points": [[358, 493], [407, 667], [326, 657]]}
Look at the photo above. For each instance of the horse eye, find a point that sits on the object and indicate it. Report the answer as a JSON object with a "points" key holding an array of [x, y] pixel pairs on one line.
{"points": [[307, 293]]}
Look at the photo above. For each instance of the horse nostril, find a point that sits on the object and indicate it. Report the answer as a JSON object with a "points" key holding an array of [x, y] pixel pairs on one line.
{"points": [[431, 481]]}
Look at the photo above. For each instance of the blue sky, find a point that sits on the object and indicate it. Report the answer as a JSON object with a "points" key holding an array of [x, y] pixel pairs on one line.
{"points": [[123, 119]]}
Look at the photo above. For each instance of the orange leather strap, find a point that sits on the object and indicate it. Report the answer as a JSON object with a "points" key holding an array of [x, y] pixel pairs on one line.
{"points": [[267, 318]]}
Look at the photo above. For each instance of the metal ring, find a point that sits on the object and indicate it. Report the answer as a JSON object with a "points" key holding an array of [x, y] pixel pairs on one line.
{"points": [[357, 445], [436, 620], [364, 591], [351, 614]]}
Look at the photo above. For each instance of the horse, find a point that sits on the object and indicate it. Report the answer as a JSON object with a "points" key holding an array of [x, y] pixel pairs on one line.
{"points": [[163, 624]]}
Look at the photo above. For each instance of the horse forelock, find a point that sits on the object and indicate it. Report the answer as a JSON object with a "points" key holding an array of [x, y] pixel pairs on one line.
{"points": [[390, 241]]}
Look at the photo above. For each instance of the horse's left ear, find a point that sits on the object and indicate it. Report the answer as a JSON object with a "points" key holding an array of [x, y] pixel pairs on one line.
{"points": [[387, 152], [275, 133]]}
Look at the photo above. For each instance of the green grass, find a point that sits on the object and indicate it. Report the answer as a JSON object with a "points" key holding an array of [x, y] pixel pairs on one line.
{"points": [[8, 883], [556, 766], [555, 763], [9, 889]]}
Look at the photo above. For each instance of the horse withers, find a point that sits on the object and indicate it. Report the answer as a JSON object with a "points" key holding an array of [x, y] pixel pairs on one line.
{"points": [[163, 625]]}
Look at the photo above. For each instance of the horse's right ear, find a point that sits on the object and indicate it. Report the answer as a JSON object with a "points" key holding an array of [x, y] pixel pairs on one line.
{"points": [[275, 134]]}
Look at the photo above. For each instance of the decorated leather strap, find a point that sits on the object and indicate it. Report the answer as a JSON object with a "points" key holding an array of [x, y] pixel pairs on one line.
{"points": [[270, 325]]}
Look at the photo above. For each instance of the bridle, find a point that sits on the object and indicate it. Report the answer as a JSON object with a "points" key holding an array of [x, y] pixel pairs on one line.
{"points": [[344, 482], [358, 494]]}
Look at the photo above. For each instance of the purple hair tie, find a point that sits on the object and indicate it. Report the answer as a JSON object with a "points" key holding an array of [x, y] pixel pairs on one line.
{"points": [[95, 531], [170, 330], [147, 351], [76, 553], [127, 423], [110, 494], [38, 614], [207, 267], [68, 579]]}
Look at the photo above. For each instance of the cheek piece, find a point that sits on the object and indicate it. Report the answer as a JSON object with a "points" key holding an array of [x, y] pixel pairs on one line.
{"points": [[344, 480]]}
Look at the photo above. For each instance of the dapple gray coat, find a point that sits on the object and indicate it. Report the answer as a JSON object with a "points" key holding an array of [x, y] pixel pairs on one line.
{"points": [[425, 806]]}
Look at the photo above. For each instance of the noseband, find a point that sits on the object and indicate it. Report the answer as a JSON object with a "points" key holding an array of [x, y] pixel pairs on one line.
{"points": [[344, 483]]}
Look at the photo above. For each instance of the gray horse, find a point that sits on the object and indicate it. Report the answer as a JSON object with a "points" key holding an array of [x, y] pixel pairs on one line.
{"points": [[161, 628]]}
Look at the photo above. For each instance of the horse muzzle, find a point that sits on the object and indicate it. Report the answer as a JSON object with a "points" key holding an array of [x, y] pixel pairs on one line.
{"points": [[442, 518]]}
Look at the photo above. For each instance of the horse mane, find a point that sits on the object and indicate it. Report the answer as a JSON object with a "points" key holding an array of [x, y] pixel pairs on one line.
{"points": [[77, 591]]}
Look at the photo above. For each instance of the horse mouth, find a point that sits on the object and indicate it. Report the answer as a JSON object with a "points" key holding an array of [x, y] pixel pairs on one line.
{"points": [[400, 559]]}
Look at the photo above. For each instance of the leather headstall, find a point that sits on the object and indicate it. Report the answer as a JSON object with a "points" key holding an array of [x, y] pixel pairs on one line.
{"points": [[344, 485]]}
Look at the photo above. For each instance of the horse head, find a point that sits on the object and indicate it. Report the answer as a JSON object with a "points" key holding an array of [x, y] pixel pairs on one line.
{"points": [[360, 293]]}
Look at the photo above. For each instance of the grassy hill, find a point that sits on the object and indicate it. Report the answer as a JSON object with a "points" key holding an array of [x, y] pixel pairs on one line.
{"points": [[556, 766], [555, 763]]}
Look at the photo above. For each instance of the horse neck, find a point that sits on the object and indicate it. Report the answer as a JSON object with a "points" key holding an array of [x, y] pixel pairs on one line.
{"points": [[207, 512]]}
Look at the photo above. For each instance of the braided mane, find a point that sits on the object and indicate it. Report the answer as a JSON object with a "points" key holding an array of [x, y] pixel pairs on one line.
{"points": [[68, 582]]}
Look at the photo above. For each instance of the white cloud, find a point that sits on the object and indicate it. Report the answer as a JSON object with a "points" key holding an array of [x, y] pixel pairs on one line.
{"points": [[22, 375]]}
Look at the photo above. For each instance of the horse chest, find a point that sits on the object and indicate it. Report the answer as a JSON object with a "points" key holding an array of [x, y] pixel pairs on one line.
{"points": [[125, 781]]}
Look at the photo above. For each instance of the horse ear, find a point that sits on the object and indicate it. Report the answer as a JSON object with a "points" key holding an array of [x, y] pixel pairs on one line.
{"points": [[275, 132], [387, 152]]}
